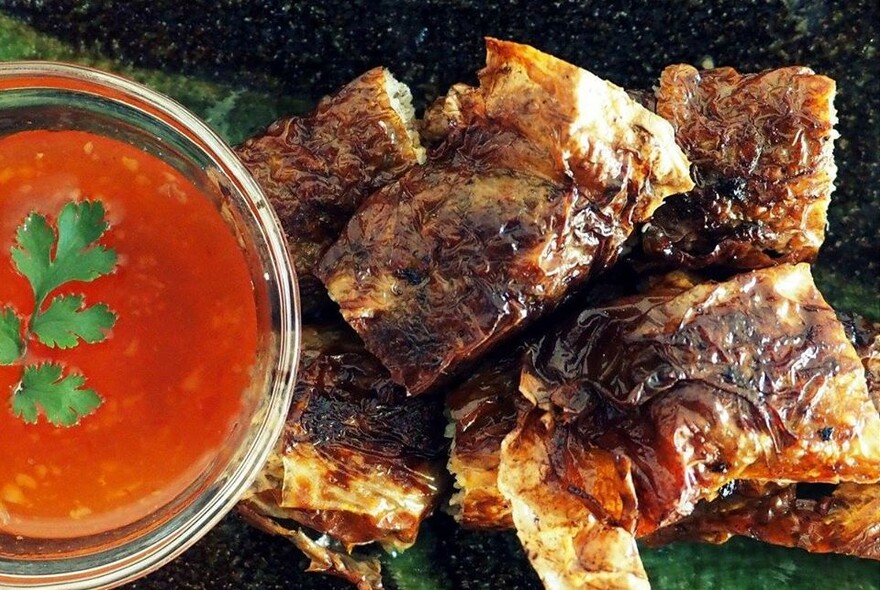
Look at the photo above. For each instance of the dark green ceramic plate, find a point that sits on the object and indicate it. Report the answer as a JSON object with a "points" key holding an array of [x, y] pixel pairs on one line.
{"points": [[839, 42]]}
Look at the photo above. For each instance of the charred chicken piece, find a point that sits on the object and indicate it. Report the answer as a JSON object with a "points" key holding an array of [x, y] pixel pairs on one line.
{"points": [[317, 170], [651, 404], [483, 410], [538, 191], [357, 461], [761, 147], [820, 518]]}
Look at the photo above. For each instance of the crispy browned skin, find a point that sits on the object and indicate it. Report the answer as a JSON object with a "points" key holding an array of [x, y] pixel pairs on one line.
{"points": [[357, 460], [535, 193], [761, 148], [842, 518], [317, 170], [654, 403], [819, 518], [483, 411]]}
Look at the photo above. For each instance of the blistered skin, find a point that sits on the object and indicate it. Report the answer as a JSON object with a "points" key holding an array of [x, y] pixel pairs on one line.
{"points": [[317, 170], [682, 393], [483, 410], [820, 518], [761, 146], [357, 460], [533, 195]]}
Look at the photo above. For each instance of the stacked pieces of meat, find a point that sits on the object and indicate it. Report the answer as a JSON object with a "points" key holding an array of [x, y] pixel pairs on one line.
{"points": [[650, 405], [585, 413], [537, 189], [357, 460], [317, 170]]}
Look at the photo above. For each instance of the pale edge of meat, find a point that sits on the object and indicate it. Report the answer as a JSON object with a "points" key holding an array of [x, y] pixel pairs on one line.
{"points": [[400, 99], [596, 115], [304, 480], [309, 483], [567, 546], [364, 572], [476, 502]]}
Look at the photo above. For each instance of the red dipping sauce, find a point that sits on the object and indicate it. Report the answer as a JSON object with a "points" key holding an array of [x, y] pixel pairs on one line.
{"points": [[174, 368]]}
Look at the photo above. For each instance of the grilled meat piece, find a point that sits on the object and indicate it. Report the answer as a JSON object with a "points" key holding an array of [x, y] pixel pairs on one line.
{"points": [[482, 412], [761, 147], [651, 404], [574, 507], [317, 170], [536, 193], [357, 459], [820, 518]]}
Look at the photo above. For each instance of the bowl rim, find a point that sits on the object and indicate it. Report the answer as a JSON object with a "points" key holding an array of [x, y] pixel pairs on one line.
{"points": [[284, 307]]}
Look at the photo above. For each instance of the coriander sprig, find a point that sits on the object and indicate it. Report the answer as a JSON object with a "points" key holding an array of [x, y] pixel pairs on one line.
{"points": [[50, 260]]}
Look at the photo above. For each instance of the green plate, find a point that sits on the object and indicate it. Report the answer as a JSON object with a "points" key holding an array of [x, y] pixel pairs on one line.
{"points": [[235, 556]]}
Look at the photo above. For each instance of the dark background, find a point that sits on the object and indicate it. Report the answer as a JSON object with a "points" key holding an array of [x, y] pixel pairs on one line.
{"points": [[309, 49]]}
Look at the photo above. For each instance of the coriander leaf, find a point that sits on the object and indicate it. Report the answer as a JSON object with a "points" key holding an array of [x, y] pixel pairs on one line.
{"points": [[32, 257], [76, 257], [62, 400], [11, 343], [66, 320]]}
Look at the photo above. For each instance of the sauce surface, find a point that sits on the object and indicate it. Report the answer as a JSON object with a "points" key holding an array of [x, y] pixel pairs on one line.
{"points": [[173, 369]]}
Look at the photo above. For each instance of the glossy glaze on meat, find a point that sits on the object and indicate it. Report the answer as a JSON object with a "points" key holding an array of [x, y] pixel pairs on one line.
{"points": [[535, 194], [819, 518], [761, 148], [483, 411], [357, 460], [317, 170], [653, 403]]}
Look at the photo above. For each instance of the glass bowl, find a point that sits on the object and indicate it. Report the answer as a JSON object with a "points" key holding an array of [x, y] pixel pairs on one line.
{"points": [[42, 95]]}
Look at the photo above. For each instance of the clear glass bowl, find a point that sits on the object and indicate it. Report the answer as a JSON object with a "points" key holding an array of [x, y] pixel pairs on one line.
{"points": [[42, 95]]}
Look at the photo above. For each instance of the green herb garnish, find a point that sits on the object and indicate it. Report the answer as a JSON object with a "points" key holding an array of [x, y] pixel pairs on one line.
{"points": [[50, 261], [62, 399], [10, 337], [67, 320]]}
